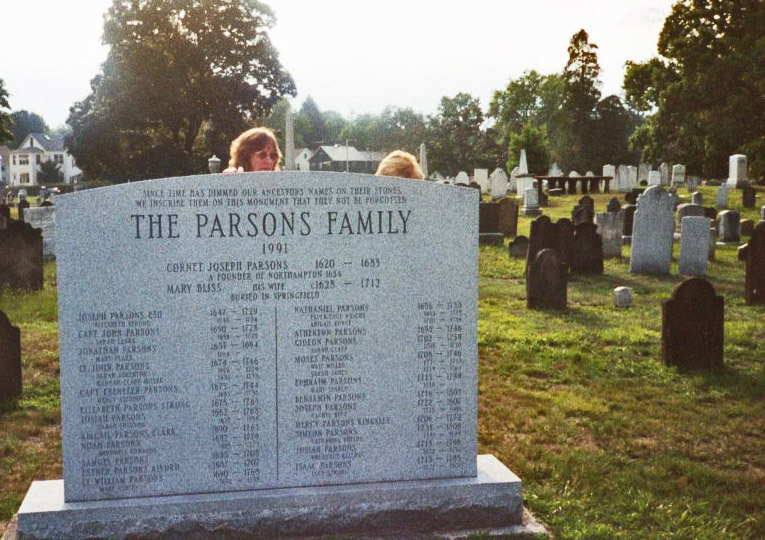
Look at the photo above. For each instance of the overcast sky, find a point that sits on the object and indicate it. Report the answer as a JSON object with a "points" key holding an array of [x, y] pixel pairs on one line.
{"points": [[351, 56]]}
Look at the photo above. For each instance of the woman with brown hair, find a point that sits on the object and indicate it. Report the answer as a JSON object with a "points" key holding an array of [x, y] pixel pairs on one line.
{"points": [[254, 150]]}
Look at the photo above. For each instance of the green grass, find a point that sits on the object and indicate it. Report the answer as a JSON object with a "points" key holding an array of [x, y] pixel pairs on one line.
{"points": [[608, 441]]}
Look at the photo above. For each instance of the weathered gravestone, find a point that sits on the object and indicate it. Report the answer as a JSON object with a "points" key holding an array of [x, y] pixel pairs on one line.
{"points": [[519, 247], [748, 196], [531, 202], [654, 178], [273, 358], [623, 297], [737, 176], [545, 234], [692, 326], [644, 169], [498, 184], [685, 210], [678, 175], [498, 218], [44, 218], [10, 359], [481, 176], [21, 207], [722, 196], [746, 227], [610, 226], [613, 205], [21, 256], [587, 250], [622, 180], [754, 288], [462, 178], [652, 233], [694, 246], [729, 225], [628, 210], [762, 213], [547, 282], [697, 198], [582, 214], [666, 174]]}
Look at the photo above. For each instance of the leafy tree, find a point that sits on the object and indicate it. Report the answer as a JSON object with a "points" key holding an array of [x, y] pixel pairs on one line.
{"points": [[6, 123], [23, 123], [49, 173], [182, 78], [314, 124], [704, 91], [531, 99], [534, 141]]}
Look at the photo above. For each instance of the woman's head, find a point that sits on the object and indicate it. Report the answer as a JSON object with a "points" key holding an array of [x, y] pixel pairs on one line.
{"points": [[255, 150], [400, 163]]}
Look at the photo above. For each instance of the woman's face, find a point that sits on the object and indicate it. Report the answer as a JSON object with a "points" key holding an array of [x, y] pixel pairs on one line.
{"points": [[264, 159]]}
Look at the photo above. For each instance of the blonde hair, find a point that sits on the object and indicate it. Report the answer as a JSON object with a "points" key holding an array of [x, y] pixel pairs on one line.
{"points": [[251, 141], [400, 163]]}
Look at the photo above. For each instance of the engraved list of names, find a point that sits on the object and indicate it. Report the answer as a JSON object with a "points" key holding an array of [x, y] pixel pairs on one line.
{"points": [[253, 331]]}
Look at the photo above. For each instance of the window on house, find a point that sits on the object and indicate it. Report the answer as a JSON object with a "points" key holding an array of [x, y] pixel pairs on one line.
{"points": [[59, 158], [24, 178], [24, 159], [38, 159], [14, 160]]}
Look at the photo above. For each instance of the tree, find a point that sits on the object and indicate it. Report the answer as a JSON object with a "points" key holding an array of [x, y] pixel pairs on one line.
{"points": [[6, 134], [23, 123], [704, 91], [182, 78], [534, 141], [49, 173], [316, 133]]}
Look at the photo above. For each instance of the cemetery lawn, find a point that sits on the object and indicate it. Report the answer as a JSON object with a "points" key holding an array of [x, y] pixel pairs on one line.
{"points": [[608, 441]]}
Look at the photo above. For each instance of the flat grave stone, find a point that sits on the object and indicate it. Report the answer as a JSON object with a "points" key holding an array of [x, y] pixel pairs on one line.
{"points": [[652, 233], [692, 326], [547, 282], [10, 359], [271, 343]]}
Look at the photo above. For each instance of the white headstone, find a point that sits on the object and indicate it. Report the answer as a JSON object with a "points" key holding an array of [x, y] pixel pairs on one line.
{"points": [[462, 178], [737, 170], [424, 160], [678, 174], [610, 170], [654, 178], [652, 232], [481, 176], [622, 179], [632, 177], [555, 170], [722, 196], [694, 246], [44, 218], [666, 173], [498, 181], [623, 297], [574, 174], [523, 167], [643, 170]]}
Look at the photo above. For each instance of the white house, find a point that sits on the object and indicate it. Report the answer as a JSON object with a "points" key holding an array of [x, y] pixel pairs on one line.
{"points": [[302, 155], [35, 149]]}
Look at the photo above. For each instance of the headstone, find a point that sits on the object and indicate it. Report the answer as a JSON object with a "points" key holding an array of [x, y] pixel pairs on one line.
{"points": [[278, 364], [587, 201], [519, 247], [589, 173], [44, 218], [678, 175], [547, 282], [692, 326], [694, 246], [623, 297], [652, 233], [748, 196], [545, 234], [531, 202], [424, 160], [692, 182], [697, 198], [462, 178], [754, 282], [5, 211], [290, 152], [508, 217], [762, 213], [654, 178], [610, 226], [666, 174], [499, 217], [746, 227], [613, 205], [643, 171], [712, 241], [685, 210], [10, 359], [737, 170], [722, 196], [629, 219], [610, 170], [582, 214], [523, 167], [632, 176], [710, 212], [21, 256], [574, 174], [498, 181], [622, 179], [729, 226], [587, 250], [555, 170], [742, 252], [21, 207], [481, 176]]}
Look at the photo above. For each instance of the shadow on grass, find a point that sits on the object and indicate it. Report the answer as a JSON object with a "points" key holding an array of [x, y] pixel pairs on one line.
{"points": [[742, 385]]}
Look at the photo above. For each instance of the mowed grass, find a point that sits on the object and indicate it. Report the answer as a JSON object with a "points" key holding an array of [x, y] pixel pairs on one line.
{"points": [[608, 441]]}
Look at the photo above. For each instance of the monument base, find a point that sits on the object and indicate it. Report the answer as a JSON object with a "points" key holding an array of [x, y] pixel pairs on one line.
{"points": [[492, 501]]}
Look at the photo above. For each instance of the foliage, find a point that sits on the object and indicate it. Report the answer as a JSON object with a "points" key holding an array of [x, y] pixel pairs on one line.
{"points": [[176, 70], [6, 123], [393, 129], [456, 139], [313, 127], [705, 88], [534, 141], [23, 123], [49, 173]]}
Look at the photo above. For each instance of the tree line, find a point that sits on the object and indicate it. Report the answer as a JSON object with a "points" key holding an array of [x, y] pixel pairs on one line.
{"points": [[183, 78]]}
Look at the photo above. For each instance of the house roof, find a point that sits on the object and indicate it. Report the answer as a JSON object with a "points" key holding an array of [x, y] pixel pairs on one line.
{"points": [[349, 153], [28, 150], [50, 143]]}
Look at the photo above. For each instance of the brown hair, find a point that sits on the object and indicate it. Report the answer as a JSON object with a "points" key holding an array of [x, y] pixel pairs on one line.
{"points": [[251, 141], [400, 163]]}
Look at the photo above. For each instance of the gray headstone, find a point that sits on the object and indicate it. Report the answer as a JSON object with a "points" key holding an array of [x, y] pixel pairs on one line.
{"points": [[654, 178], [632, 176], [623, 297], [652, 232], [722, 196], [729, 226], [666, 174], [762, 213], [547, 282], [247, 310], [610, 226], [21, 256], [684, 210], [531, 202], [694, 246], [678, 175], [44, 218]]}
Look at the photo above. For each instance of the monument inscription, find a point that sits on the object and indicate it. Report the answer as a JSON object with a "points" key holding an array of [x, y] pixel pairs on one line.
{"points": [[240, 332]]}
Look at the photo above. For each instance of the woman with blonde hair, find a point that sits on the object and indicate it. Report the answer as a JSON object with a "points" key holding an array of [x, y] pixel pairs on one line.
{"points": [[254, 150], [400, 163]]}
